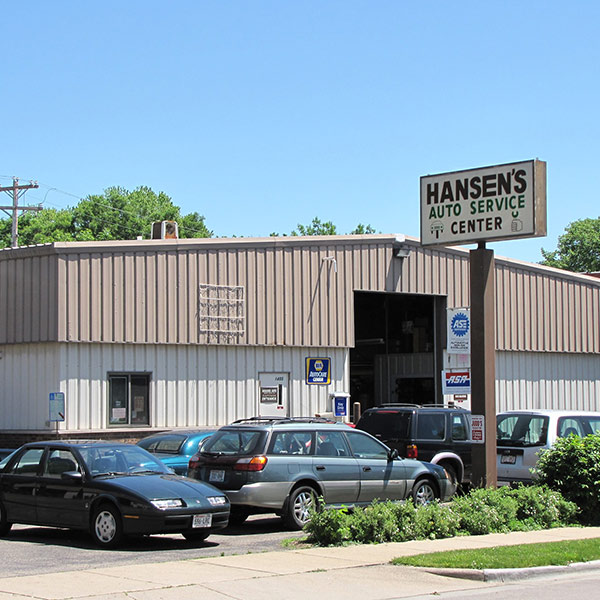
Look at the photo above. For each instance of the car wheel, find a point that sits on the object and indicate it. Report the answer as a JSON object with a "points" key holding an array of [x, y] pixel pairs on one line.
{"points": [[4, 524], [238, 516], [196, 536], [107, 529], [301, 501], [424, 492]]}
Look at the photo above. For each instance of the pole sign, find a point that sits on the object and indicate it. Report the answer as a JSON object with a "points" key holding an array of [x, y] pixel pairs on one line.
{"points": [[487, 204], [459, 331], [318, 371], [456, 382], [57, 406]]}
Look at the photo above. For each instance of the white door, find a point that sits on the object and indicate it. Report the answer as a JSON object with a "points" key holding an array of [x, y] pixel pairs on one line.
{"points": [[273, 394]]}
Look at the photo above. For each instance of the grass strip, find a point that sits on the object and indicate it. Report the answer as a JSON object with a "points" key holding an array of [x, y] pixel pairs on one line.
{"points": [[509, 557]]}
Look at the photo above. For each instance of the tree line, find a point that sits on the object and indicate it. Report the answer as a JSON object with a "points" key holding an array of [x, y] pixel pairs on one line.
{"points": [[120, 214]]}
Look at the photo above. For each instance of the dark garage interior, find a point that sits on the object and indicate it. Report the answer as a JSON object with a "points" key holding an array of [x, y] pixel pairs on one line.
{"points": [[394, 358]]}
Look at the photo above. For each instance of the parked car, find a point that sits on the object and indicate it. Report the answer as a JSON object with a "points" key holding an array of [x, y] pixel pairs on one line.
{"points": [[434, 433], [285, 465], [175, 448], [108, 489], [523, 434]]}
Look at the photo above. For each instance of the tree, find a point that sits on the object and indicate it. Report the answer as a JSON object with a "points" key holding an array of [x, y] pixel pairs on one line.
{"points": [[122, 215], [316, 228], [326, 228], [118, 214], [578, 248]]}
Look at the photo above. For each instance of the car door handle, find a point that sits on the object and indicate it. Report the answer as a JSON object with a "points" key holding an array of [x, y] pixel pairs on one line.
{"points": [[366, 469], [320, 467]]}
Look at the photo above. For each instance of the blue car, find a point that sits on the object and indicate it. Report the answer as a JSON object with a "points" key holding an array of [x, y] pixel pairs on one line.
{"points": [[175, 448]]}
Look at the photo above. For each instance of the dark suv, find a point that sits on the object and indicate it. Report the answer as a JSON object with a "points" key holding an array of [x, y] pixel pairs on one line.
{"points": [[434, 433], [284, 465]]}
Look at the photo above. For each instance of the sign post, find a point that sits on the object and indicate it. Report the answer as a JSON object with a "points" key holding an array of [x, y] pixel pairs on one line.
{"points": [[57, 408], [483, 364], [482, 205]]}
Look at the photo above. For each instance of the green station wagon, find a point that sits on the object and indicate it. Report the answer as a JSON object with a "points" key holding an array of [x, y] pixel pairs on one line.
{"points": [[285, 465]]}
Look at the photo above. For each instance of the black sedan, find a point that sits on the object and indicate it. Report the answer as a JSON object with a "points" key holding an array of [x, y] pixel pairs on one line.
{"points": [[108, 489]]}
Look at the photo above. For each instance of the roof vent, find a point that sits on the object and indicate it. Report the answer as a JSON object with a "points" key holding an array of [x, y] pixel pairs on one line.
{"points": [[164, 230]]}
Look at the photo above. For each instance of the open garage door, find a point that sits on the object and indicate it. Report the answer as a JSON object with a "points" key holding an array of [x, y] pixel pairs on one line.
{"points": [[397, 353]]}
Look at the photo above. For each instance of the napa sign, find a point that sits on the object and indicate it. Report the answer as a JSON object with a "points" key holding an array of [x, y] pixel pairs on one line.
{"points": [[488, 204]]}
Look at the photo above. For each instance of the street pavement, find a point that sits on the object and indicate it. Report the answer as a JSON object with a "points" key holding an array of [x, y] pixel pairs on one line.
{"points": [[348, 573]]}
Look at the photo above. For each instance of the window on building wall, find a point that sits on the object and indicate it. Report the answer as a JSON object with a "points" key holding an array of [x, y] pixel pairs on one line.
{"points": [[128, 399]]}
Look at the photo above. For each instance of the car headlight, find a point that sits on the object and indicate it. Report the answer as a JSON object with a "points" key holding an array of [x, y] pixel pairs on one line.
{"points": [[168, 503], [217, 500]]}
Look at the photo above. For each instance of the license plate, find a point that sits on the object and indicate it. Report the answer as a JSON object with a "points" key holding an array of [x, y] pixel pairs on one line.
{"points": [[217, 476], [508, 459], [202, 520]]}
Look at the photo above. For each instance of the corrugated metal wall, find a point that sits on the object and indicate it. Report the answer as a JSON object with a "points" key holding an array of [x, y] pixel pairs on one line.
{"points": [[190, 385], [298, 291], [547, 380], [28, 373]]}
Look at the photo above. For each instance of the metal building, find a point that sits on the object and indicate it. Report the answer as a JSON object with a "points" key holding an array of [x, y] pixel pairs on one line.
{"points": [[150, 334]]}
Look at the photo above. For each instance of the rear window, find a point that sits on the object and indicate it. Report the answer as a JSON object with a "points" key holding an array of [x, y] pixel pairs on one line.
{"points": [[237, 442], [431, 426], [291, 442], [522, 430], [386, 424]]}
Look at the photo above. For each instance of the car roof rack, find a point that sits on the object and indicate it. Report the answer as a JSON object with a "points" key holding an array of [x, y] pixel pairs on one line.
{"points": [[277, 420], [403, 405]]}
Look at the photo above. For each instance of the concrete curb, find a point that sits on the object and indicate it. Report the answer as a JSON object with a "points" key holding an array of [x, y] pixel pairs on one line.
{"points": [[502, 575]]}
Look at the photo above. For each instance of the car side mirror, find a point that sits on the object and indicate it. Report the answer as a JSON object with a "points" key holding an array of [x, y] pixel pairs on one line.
{"points": [[72, 475], [392, 454]]}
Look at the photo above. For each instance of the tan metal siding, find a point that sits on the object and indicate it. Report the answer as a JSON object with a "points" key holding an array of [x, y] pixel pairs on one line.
{"points": [[147, 292], [28, 299]]}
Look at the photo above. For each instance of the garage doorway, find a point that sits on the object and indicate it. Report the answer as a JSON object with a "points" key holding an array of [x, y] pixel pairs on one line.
{"points": [[397, 349]]}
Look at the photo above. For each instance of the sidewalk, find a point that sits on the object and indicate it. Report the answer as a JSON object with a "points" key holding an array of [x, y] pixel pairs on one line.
{"points": [[348, 573]]}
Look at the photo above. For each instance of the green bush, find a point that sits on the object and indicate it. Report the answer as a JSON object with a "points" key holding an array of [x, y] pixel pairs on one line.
{"points": [[480, 511], [572, 467], [329, 527], [435, 521], [539, 507], [485, 510]]}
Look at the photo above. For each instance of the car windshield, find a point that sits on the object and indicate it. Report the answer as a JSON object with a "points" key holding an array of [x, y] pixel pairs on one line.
{"points": [[235, 441], [522, 430], [119, 460], [165, 444], [386, 423]]}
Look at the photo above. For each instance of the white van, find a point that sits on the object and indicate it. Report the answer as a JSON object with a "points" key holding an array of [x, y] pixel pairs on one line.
{"points": [[522, 434]]}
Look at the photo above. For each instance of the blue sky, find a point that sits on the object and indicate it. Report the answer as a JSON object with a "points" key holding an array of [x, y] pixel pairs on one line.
{"points": [[263, 114]]}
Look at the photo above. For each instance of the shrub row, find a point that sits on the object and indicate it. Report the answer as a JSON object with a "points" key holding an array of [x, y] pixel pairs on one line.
{"points": [[480, 511]]}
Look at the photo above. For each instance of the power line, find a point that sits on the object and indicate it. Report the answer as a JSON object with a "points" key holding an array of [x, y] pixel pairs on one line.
{"points": [[17, 191]]}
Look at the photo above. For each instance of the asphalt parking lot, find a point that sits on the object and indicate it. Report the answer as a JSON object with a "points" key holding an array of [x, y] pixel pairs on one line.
{"points": [[28, 550]]}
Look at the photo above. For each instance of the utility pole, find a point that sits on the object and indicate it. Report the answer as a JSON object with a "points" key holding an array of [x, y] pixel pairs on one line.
{"points": [[16, 191]]}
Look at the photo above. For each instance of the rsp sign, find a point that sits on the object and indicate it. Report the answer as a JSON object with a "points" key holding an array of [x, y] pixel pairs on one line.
{"points": [[491, 203]]}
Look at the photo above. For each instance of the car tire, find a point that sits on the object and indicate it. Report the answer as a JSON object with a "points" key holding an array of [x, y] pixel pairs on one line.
{"points": [[424, 492], [238, 516], [107, 528], [300, 502], [4, 524], [196, 536]]}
